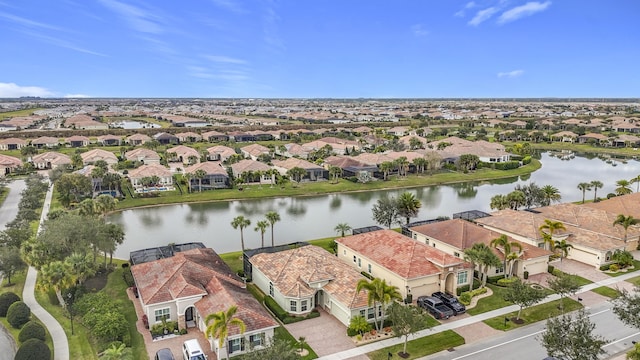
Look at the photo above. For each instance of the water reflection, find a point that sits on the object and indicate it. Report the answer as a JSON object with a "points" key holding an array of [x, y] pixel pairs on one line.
{"points": [[336, 202]]}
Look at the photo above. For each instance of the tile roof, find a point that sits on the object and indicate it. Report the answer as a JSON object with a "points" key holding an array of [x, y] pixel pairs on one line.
{"points": [[183, 151], [53, 157], [291, 271], [462, 234], [209, 167], [248, 165], [99, 154], [625, 204], [45, 140], [150, 170], [290, 163], [141, 137], [200, 272], [9, 161], [10, 141], [141, 154], [402, 255]]}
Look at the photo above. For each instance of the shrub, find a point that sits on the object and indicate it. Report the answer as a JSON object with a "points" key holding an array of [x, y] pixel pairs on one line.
{"points": [[604, 267], [33, 349], [614, 267], [18, 314], [550, 269], [275, 308], [32, 330], [494, 279], [6, 299], [466, 296], [506, 282]]}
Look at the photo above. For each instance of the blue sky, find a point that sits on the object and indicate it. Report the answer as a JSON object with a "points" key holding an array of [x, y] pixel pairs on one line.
{"points": [[320, 48]]}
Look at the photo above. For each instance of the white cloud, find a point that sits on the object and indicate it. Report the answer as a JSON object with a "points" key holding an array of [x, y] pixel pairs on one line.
{"points": [[139, 19], [62, 43], [510, 74], [469, 5], [521, 11], [229, 5], [482, 16], [26, 22], [76, 96], [419, 30], [224, 59], [12, 90]]}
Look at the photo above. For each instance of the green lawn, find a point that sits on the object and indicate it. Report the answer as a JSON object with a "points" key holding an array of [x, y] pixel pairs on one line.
{"points": [[606, 291], [495, 301], [421, 347], [636, 267], [579, 279], [24, 112], [234, 260], [634, 280], [282, 333], [533, 314]]}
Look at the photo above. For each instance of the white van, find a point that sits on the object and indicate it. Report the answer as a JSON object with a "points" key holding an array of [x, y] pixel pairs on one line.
{"points": [[191, 350]]}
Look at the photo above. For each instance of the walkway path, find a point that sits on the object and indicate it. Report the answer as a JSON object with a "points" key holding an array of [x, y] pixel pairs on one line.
{"points": [[361, 350], [60, 342]]}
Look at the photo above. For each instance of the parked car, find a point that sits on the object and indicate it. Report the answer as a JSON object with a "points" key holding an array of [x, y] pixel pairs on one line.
{"points": [[164, 354], [451, 301], [191, 350], [435, 307]]}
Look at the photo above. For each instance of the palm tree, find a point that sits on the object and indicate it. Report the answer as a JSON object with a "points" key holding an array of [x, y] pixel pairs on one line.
{"points": [[386, 168], [56, 276], [115, 352], [272, 217], [87, 207], [624, 187], [342, 228], [105, 203], [486, 259], [378, 294], [563, 246], [240, 222], [584, 187], [596, 184], [188, 177], [222, 323], [473, 256], [200, 174], [262, 226], [550, 193], [81, 266], [408, 205], [625, 222], [549, 228], [499, 202], [335, 173], [297, 173], [507, 246], [636, 180]]}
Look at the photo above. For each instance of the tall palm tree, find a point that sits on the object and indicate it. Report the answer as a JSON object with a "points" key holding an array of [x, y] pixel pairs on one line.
{"points": [[200, 174], [564, 248], [240, 222], [636, 180], [625, 222], [499, 202], [222, 323], [386, 168], [507, 248], [584, 187], [472, 255], [342, 228], [408, 205], [335, 173], [272, 217], [486, 259], [624, 187], [378, 294], [56, 276], [549, 228], [596, 184], [262, 226], [81, 266], [550, 193]]}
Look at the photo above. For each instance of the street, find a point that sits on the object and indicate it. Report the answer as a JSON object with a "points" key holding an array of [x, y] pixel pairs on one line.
{"points": [[9, 208]]}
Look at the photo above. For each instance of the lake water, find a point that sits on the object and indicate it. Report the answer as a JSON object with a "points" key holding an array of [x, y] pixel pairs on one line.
{"points": [[312, 217]]}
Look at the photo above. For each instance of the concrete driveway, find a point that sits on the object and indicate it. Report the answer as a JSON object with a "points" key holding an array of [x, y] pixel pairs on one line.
{"points": [[581, 269], [325, 334], [9, 208]]}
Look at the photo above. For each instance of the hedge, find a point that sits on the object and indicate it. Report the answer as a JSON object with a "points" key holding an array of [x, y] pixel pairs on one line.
{"points": [[283, 315], [32, 330], [6, 299], [465, 297], [33, 349], [18, 314], [506, 282]]}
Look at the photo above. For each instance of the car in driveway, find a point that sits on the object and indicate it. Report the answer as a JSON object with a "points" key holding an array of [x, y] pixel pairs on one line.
{"points": [[451, 302], [164, 354], [435, 307]]}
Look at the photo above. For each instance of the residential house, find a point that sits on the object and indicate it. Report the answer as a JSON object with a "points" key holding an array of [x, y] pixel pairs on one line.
{"points": [[302, 278], [183, 154], [293, 150], [12, 144], [220, 153], [350, 166], [192, 284], [564, 136], [84, 122], [45, 142], [456, 235], [189, 136], [406, 141], [50, 160], [77, 141], [415, 268], [215, 176], [109, 140], [247, 166], [164, 177], [166, 138], [142, 156], [137, 139], [314, 172], [8, 164], [254, 151], [592, 138], [212, 136], [453, 147], [625, 140], [398, 131], [239, 136], [94, 155]]}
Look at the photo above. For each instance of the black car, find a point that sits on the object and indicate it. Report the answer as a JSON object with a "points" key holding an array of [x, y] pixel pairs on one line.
{"points": [[164, 354], [451, 302], [435, 307]]}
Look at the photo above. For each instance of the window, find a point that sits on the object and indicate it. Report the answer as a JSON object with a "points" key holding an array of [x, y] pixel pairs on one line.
{"points": [[271, 289], [363, 313], [462, 277], [293, 305], [359, 262], [344, 252], [370, 314], [256, 340], [236, 345], [303, 305], [456, 254], [426, 241], [162, 313], [354, 258], [434, 244], [499, 270], [369, 268], [415, 236]]}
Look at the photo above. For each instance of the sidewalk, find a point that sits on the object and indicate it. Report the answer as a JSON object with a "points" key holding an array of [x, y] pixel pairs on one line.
{"points": [[470, 320], [60, 342]]}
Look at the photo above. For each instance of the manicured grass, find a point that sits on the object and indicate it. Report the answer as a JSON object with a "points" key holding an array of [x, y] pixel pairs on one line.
{"points": [[495, 301], [606, 291], [4, 192], [634, 280], [579, 279], [533, 314], [636, 267], [234, 260], [282, 333], [422, 346], [24, 112], [584, 148]]}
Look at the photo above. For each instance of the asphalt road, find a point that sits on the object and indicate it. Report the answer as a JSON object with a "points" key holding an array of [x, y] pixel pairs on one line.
{"points": [[523, 344], [9, 208]]}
